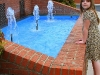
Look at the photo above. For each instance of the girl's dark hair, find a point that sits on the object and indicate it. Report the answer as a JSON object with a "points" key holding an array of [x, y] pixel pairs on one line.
{"points": [[92, 7]]}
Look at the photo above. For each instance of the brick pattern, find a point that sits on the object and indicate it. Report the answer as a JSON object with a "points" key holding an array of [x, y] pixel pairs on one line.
{"points": [[15, 4], [19, 60], [61, 9], [29, 5], [58, 8]]}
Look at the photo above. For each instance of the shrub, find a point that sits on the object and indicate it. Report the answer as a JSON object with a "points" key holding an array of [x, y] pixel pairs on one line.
{"points": [[67, 2], [1, 42]]}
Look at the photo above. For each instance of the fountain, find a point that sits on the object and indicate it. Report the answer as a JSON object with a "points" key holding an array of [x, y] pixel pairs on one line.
{"points": [[36, 15], [50, 10], [50, 36], [11, 22]]}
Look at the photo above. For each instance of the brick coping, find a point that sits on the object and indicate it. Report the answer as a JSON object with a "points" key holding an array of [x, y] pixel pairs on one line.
{"points": [[70, 60]]}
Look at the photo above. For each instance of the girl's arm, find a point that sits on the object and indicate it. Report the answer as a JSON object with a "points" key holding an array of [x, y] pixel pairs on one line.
{"points": [[86, 24]]}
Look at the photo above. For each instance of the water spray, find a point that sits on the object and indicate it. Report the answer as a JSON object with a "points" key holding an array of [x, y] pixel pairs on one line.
{"points": [[50, 10], [36, 15], [11, 22]]}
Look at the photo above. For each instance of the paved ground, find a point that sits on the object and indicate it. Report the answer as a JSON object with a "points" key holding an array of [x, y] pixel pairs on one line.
{"points": [[90, 69]]}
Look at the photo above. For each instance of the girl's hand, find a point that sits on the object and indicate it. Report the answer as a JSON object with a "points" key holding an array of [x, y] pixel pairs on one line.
{"points": [[80, 42]]}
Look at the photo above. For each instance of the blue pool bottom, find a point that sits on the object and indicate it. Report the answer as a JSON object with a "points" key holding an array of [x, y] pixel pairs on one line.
{"points": [[48, 39]]}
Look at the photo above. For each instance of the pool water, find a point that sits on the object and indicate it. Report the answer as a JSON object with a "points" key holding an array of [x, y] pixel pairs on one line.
{"points": [[48, 39]]}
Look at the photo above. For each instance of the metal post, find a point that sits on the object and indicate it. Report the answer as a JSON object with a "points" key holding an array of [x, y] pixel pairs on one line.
{"points": [[11, 38], [36, 24]]}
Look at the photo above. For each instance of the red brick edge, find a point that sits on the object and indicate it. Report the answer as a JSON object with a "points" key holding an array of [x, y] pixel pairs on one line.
{"points": [[19, 60]]}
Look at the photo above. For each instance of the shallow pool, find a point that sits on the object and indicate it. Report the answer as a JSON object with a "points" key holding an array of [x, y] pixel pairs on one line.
{"points": [[48, 39]]}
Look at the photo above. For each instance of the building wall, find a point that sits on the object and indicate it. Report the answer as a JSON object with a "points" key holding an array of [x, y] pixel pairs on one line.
{"points": [[29, 6], [14, 4], [42, 6], [58, 8]]}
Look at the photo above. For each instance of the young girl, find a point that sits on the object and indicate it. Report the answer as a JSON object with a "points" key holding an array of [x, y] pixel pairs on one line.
{"points": [[91, 34]]}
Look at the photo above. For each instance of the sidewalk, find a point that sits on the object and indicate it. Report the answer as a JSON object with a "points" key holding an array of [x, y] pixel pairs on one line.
{"points": [[90, 69]]}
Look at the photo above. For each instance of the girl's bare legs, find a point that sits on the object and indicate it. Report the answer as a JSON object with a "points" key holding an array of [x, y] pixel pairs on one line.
{"points": [[96, 67]]}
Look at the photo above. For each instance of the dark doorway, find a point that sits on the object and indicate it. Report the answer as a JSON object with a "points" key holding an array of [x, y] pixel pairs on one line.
{"points": [[22, 8], [2, 15]]}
